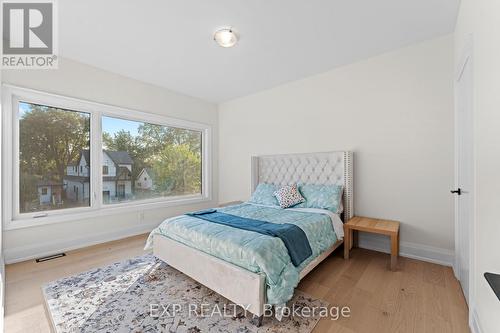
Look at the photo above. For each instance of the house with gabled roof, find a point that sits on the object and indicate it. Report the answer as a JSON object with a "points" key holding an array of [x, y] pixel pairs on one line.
{"points": [[145, 180], [116, 176]]}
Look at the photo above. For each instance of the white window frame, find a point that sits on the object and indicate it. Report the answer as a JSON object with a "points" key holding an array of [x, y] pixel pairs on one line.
{"points": [[11, 95]]}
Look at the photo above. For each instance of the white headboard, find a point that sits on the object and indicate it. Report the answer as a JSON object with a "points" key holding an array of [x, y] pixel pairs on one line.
{"points": [[330, 168]]}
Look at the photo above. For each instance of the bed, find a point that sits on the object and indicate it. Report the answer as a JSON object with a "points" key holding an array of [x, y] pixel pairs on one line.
{"points": [[245, 267]]}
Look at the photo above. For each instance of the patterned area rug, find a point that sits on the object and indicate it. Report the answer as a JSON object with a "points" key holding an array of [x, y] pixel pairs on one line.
{"points": [[146, 295]]}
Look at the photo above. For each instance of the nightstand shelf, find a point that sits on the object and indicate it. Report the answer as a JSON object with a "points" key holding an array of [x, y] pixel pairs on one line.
{"points": [[376, 226]]}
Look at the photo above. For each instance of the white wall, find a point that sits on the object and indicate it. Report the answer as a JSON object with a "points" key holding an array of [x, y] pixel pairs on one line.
{"points": [[83, 167], [81, 81], [395, 111], [481, 19], [106, 160]]}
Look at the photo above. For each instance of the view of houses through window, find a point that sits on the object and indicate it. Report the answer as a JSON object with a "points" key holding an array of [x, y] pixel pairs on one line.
{"points": [[139, 160], [50, 140], [146, 160]]}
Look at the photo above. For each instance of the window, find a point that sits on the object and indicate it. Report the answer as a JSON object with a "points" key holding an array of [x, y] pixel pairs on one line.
{"points": [[59, 147], [173, 155], [50, 139]]}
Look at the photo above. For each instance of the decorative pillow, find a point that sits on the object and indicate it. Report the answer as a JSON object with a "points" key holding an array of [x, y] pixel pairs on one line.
{"points": [[322, 196], [288, 196], [264, 195]]}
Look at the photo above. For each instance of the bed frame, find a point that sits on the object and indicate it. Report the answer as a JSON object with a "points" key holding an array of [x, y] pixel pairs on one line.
{"points": [[238, 284]]}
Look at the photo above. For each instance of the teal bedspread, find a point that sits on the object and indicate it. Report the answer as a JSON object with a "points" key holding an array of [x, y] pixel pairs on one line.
{"points": [[250, 250], [294, 238]]}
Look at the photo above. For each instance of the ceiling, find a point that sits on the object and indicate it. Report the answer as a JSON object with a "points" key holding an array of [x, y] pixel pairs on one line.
{"points": [[169, 42]]}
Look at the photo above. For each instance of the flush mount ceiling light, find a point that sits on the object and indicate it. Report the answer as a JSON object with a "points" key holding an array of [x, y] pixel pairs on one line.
{"points": [[226, 37]]}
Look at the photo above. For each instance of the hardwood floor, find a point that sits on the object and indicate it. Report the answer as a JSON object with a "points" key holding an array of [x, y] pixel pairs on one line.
{"points": [[418, 297]]}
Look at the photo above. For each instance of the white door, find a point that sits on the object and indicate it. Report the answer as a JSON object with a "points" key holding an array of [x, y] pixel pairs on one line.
{"points": [[464, 173]]}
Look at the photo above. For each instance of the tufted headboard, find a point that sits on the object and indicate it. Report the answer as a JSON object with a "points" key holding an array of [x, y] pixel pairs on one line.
{"points": [[330, 168]]}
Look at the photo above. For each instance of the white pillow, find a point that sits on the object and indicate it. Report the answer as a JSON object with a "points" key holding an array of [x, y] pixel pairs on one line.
{"points": [[289, 196]]}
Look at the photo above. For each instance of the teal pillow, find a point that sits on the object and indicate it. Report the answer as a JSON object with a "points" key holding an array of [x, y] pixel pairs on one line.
{"points": [[264, 195], [322, 196]]}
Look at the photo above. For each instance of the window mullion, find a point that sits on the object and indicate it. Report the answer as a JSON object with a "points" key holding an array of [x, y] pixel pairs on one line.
{"points": [[96, 159], [9, 188]]}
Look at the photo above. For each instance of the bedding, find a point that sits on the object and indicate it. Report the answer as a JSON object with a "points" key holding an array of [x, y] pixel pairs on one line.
{"points": [[253, 251], [293, 237], [289, 196], [264, 195], [322, 196]]}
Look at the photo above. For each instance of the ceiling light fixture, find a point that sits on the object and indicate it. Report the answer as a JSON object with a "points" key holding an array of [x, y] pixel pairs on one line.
{"points": [[226, 37]]}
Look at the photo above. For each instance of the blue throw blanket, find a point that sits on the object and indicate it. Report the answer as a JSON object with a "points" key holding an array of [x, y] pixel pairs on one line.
{"points": [[293, 237]]}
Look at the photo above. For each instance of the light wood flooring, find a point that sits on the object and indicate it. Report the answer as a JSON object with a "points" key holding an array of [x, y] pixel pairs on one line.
{"points": [[418, 297]]}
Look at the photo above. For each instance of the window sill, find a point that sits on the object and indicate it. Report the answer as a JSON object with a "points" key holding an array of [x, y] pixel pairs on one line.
{"points": [[104, 211]]}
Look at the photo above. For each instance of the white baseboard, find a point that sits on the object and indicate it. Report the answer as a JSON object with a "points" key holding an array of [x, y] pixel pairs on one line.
{"points": [[366, 241], [475, 327], [23, 253], [406, 249]]}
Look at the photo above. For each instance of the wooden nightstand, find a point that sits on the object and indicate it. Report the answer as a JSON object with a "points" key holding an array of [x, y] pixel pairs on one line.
{"points": [[376, 226]]}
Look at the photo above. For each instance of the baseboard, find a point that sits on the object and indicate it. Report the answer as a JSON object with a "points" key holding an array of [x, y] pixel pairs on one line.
{"points": [[23, 253], [475, 327], [367, 241], [406, 249]]}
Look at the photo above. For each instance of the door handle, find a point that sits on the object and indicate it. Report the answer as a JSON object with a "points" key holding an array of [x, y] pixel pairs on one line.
{"points": [[457, 191]]}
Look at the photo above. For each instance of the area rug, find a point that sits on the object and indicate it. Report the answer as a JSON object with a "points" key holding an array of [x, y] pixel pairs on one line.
{"points": [[146, 295]]}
